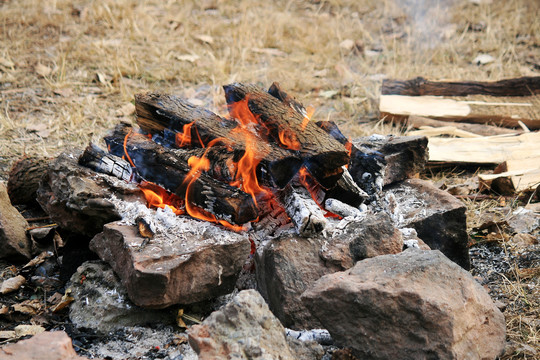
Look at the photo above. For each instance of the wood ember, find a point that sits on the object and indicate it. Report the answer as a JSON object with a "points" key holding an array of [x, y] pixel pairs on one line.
{"points": [[304, 212], [162, 166], [337, 207], [159, 112], [322, 154]]}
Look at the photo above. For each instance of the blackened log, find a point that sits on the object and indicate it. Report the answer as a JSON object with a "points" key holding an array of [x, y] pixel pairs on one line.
{"points": [[333, 130], [347, 191], [523, 86], [276, 91], [157, 164], [322, 154], [98, 160], [304, 212], [161, 113]]}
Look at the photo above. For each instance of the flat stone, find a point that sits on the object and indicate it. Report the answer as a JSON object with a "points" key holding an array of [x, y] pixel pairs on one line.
{"points": [[199, 262], [287, 266], [243, 329], [101, 302], [413, 305], [49, 345], [438, 217], [14, 243]]}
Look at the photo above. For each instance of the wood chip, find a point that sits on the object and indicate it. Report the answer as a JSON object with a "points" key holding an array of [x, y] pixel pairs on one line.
{"points": [[29, 307], [24, 330]]}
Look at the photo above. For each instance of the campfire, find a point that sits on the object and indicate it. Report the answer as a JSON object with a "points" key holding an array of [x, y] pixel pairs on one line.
{"points": [[266, 165]]}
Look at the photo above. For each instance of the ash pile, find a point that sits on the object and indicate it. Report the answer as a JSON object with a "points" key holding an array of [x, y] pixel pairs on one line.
{"points": [[286, 238]]}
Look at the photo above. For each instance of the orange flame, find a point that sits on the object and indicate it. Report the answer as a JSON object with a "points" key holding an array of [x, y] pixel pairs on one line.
{"points": [[158, 197], [246, 173], [288, 139], [309, 113], [125, 147], [184, 138]]}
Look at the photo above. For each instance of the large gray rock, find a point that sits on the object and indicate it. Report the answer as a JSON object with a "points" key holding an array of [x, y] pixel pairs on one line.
{"points": [[13, 240], [414, 305], [243, 329], [101, 302], [438, 217], [287, 266], [198, 262]]}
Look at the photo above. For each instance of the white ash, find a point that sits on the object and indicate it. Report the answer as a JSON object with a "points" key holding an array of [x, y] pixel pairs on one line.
{"points": [[338, 207], [408, 204], [321, 336], [166, 224]]}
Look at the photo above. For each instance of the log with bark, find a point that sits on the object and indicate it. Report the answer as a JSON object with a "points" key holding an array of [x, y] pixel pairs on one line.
{"points": [[321, 153], [165, 167], [162, 113]]}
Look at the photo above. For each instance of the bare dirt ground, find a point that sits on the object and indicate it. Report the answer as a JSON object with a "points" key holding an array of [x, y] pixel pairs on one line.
{"points": [[69, 70]]}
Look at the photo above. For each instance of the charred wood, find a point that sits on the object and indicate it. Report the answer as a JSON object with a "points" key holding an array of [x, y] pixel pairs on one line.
{"points": [[304, 212], [98, 160], [165, 167], [168, 115], [322, 154]]}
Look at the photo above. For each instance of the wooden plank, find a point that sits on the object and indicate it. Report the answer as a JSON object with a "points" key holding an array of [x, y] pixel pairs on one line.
{"points": [[518, 175], [523, 86], [485, 150], [479, 129], [506, 112]]}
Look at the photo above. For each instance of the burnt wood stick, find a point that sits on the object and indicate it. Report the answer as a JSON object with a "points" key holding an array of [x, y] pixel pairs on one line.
{"points": [[523, 86], [306, 215], [162, 166], [276, 91], [159, 113], [322, 154], [98, 160]]}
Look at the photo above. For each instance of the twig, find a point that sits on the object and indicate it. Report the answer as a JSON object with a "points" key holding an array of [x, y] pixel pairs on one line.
{"points": [[42, 226]]}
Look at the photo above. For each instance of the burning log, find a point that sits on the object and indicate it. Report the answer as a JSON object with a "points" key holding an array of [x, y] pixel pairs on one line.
{"points": [[165, 167], [322, 154], [304, 212], [195, 126], [98, 160]]}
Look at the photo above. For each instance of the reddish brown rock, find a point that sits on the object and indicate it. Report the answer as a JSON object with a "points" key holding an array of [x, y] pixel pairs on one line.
{"points": [[49, 345], [198, 262], [414, 305], [438, 217], [287, 266], [243, 329], [14, 243]]}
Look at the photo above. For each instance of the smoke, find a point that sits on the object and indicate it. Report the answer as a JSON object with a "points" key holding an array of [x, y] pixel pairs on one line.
{"points": [[429, 21]]}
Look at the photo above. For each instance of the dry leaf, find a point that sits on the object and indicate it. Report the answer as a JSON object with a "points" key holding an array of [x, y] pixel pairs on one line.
{"points": [[347, 44], [205, 38], [126, 110], [6, 62], [269, 51], [483, 59], [328, 94], [38, 259], [188, 57], [30, 307], [4, 310], [24, 330], [64, 302], [320, 73], [40, 129], [179, 321], [102, 79], [43, 70], [12, 284], [66, 92]]}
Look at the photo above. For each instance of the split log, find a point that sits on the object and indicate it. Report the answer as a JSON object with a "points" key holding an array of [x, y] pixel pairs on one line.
{"points": [[513, 176], [304, 212], [479, 129], [485, 150], [163, 166], [323, 155], [159, 113], [524, 86]]}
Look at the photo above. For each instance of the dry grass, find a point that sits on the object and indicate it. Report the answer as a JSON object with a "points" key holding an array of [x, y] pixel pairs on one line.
{"points": [[69, 68]]}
